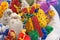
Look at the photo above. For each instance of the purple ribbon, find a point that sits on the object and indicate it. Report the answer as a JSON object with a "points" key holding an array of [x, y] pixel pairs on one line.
{"points": [[53, 2], [0, 1], [46, 5]]}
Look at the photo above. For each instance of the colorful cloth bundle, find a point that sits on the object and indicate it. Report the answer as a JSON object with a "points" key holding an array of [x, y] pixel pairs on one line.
{"points": [[29, 21]]}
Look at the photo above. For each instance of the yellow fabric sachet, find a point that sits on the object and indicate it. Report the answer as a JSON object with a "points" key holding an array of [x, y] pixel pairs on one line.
{"points": [[29, 26], [4, 5], [1, 13], [42, 18]]}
